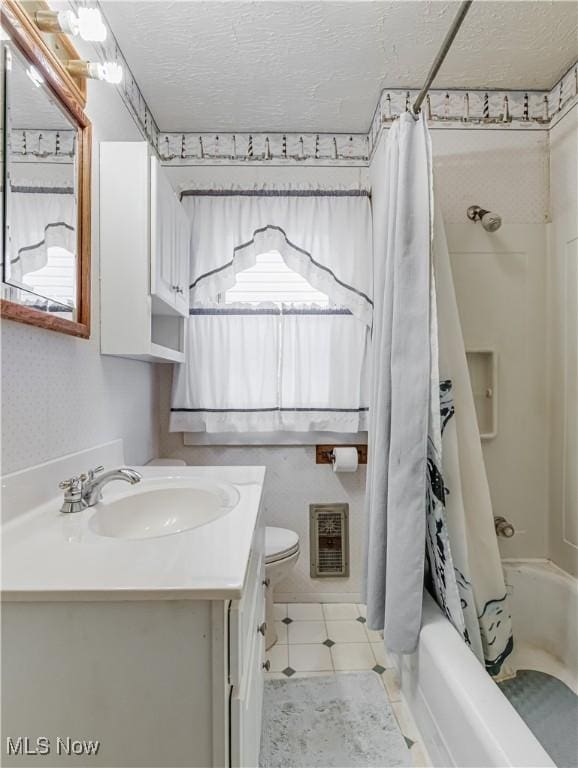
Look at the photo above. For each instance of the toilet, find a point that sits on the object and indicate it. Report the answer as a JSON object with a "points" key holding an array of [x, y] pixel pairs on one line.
{"points": [[281, 554]]}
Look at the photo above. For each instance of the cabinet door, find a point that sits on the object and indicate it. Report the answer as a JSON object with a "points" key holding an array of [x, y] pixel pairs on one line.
{"points": [[162, 236], [182, 260], [246, 657], [246, 705]]}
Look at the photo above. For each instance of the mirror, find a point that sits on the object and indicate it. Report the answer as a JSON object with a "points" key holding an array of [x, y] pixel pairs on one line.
{"points": [[41, 195], [45, 255]]}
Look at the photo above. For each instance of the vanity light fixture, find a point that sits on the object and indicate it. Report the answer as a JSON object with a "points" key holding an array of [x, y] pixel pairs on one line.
{"points": [[88, 23], [109, 71]]}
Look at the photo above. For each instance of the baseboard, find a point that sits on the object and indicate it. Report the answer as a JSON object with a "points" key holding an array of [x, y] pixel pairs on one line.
{"points": [[317, 597]]}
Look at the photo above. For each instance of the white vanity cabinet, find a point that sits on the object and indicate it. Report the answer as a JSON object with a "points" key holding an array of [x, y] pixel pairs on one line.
{"points": [[158, 683], [154, 646], [144, 256]]}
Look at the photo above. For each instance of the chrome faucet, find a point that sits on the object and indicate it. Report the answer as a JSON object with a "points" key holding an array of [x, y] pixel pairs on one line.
{"points": [[92, 486], [84, 491]]}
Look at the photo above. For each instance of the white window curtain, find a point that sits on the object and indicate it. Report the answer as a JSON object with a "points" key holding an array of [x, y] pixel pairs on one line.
{"points": [[277, 367], [40, 217]]}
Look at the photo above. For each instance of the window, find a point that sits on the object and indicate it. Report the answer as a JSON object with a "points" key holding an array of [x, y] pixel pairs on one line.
{"points": [[281, 312], [273, 354], [272, 280]]}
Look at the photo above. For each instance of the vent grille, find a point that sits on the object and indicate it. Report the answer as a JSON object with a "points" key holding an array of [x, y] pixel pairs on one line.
{"points": [[329, 534]]}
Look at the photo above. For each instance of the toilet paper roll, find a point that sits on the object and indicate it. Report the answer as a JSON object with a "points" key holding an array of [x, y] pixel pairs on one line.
{"points": [[344, 459]]}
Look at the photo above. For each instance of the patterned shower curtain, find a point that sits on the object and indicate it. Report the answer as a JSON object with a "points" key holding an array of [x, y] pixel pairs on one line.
{"points": [[464, 568]]}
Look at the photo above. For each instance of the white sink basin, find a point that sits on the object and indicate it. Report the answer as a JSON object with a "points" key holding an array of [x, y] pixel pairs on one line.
{"points": [[161, 508]]}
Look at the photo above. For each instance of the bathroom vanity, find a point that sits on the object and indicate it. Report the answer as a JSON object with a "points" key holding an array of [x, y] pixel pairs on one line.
{"points": [[152, 645]]}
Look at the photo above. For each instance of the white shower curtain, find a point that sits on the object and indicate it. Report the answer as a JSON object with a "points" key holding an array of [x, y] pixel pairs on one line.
{"points": [[427, 490], [400, 389]]}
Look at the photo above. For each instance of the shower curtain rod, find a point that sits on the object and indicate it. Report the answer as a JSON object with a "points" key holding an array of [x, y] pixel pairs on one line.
{"points": [[442, 53]]}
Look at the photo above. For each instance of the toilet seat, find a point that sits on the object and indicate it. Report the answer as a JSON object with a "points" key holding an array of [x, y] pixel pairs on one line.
{"points": [[280, 543]]}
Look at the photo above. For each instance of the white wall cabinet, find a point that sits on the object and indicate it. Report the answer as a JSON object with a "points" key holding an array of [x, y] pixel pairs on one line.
{"points": [[144, 256]]}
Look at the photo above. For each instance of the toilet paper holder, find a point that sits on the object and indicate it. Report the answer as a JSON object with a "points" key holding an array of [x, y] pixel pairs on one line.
{"points": [[324, 453]]}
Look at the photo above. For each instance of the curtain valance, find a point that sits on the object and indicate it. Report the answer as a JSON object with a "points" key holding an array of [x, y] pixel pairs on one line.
{"points": [[324, 235]]}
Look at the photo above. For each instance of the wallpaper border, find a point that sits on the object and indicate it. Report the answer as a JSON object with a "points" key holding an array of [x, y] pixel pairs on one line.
{"points": [[445, 109]]}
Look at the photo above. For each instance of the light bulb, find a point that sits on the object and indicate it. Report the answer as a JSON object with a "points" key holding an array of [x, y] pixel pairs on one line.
{"points": [[90, 25], [110, 72], [66, 22]]}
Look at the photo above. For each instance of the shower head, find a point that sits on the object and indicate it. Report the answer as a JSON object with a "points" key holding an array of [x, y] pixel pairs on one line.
{"points": [[491, 222]]}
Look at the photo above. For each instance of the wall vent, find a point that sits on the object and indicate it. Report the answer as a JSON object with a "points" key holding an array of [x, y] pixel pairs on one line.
{"points": [[329, 539]]}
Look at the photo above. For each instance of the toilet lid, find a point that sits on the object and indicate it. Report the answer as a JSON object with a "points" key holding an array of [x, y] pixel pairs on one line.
{"points": [[279, 543]]}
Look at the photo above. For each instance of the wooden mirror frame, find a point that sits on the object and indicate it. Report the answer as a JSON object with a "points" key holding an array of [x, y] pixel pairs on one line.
{"points": [[27, 38]]}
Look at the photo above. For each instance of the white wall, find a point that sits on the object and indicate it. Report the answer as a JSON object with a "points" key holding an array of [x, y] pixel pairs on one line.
{"points": [[508, 172], [563, 342], [59, 395]]}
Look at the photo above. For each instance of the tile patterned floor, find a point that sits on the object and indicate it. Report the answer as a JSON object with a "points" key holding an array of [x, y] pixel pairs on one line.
{"points": [[318, 639]]}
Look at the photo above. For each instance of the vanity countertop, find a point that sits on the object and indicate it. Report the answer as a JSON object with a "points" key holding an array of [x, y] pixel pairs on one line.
{"points": [[50, 556]]}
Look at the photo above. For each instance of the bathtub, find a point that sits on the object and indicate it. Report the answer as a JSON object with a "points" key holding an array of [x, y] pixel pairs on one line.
{"points": [[463, 717]]}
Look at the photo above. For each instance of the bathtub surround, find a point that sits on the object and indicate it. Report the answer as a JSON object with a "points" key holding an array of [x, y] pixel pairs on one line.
{"points": [[399, 399], [563, 347], [343, 719]]}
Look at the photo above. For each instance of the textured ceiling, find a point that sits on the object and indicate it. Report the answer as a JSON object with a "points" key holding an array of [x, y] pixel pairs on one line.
{"points": [[319, 65]]}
